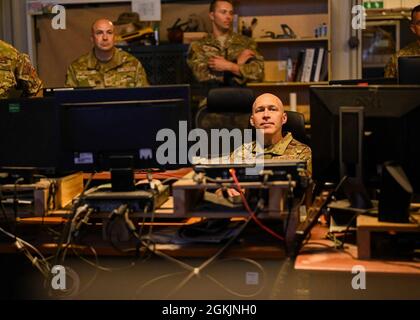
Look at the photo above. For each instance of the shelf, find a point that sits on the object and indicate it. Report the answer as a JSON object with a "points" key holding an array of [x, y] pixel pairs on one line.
{"points": [[285, 84], [269, 40]]}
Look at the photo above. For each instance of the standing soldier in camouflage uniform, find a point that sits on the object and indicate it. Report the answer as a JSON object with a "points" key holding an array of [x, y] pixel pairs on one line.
{"points": [[225, 57], [105, 65], [17, 73], [413, 49]]}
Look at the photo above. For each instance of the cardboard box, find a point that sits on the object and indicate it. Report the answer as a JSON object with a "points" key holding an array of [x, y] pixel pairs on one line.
{"points": [[66, 189], [275, 70]]}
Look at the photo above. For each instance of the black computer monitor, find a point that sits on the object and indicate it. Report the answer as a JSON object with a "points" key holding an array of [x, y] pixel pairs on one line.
{"points": [[101, 124], [390, 130], [29, 135], [409, 70]]}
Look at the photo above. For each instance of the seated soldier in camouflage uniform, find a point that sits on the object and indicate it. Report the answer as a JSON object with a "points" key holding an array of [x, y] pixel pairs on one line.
{"points": [[105, 65], [269, 116], [17, 73], [225, 57], [412, 49]]}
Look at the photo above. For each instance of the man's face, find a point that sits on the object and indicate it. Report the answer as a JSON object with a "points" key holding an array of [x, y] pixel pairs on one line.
{"points": [[103, 35], [222, 16], [415, 25], [268, 114]]}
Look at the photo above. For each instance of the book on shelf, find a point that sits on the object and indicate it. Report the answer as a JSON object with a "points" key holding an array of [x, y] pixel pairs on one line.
{"points": [[299, 66], [307, 65], [324, 68], [316, 67]]}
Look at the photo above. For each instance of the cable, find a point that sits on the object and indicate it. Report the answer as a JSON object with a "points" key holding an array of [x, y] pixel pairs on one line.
{"points": [[328, 247], [41, 264], [346, 231], [140, 289], [290, 198], [67, 226], [252, 214], [259, 266]]}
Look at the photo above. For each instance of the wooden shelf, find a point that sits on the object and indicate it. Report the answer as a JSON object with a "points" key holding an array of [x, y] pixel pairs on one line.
{"points": [[286, 84], [269, 40]]}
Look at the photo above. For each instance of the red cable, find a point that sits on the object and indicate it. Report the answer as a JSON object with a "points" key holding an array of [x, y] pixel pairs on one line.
{"points": [[245, 202]]}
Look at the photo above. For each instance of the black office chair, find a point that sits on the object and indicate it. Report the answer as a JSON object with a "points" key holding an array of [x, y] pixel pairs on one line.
{"points": [[226, 108], [296, 125]]}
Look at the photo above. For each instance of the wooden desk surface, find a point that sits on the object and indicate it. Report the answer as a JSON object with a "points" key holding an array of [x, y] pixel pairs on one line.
{"points": [[179, 173], [320, 260]]}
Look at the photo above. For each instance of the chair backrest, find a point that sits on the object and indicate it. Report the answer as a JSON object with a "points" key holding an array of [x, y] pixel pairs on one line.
{"points": [[296, 125], [226, 108]]}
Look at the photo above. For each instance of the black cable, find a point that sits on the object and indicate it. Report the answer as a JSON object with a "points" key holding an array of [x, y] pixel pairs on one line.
{"points": [[310, 221], [67, 226], [290, 198], [346, 231]]}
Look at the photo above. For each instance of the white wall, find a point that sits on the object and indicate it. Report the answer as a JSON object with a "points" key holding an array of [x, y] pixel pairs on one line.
{"points": [[346, 62]]}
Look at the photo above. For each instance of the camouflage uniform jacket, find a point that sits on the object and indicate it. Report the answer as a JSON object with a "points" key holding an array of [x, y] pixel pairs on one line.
{"points": [[17, 71], [200, 52], [391, 69], [286, 149], [122, 71]]}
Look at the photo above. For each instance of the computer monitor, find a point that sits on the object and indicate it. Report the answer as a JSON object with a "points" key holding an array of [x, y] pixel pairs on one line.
{"points": [[29, 135], [390, 130], [100, 124], [409, 70]]}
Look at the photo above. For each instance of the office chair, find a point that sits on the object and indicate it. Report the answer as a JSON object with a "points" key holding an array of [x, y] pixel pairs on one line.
{"points": [[296, 125]]}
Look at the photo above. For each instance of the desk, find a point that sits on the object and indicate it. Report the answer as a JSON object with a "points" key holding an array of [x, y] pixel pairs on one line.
{"points": [[331, 272]]}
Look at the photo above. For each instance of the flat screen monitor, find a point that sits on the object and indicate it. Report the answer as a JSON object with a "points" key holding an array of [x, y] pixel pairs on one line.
{"points": [[390, 130], [99, 124], [409, 70], [29, 135]]}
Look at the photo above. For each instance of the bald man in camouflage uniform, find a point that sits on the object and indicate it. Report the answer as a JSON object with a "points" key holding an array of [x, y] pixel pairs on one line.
{"points": [[413, 49], [224, 56], [106, 66], [269, 116], [17, 72]]}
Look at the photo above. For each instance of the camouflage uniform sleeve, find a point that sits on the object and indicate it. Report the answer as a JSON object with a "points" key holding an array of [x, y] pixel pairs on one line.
{"points": [[197, 61], [71, 80], [141, 76], [253, 70], [26, 76], [391, 67], [306, 155]]}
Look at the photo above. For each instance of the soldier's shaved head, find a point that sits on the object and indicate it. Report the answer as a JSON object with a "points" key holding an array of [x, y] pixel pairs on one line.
{"points": [[270, 98], [103, 38], [268, 115], [100, 22]]}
